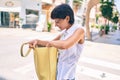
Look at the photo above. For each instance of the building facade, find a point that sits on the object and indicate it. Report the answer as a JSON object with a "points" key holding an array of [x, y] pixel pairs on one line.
{"points": [[13, 12]]}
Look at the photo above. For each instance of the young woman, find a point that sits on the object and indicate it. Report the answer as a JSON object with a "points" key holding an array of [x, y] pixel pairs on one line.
{"points": [[69, 43]]}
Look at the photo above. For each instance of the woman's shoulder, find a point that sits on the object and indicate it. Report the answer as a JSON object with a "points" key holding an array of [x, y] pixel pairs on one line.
{"points": [[79, 26]]}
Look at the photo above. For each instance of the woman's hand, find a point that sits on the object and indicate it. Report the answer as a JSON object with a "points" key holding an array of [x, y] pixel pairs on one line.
{"points": [[48, 44], [33, 43]]}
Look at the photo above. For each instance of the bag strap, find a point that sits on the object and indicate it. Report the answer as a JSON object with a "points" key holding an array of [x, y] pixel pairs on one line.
{"points": [[21, 50]]}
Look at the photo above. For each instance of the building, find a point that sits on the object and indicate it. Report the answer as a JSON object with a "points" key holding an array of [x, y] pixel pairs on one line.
{"points": [[12, 11]]}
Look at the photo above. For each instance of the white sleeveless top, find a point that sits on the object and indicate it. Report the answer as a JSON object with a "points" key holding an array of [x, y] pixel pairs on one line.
{"points": [[68, 58]]}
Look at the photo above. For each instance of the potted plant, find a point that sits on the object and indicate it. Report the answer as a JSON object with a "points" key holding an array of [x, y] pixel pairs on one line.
{"points": [[49, 25], [106, 29], [114, 27], [21, 22], [102, 30]]}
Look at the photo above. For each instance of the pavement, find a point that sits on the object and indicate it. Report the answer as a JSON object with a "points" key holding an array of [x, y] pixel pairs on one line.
{"points": [[102, 51], [100, 59]]}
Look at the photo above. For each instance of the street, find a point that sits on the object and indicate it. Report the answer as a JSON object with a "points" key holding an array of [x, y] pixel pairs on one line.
{"points": [[100, 59]]}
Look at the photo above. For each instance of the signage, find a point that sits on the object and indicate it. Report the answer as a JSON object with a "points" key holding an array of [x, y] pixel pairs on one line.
{"points": [[9, 4]]}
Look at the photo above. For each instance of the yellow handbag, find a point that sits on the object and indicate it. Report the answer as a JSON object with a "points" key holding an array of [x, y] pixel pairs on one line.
{"points": [[45, 59]]}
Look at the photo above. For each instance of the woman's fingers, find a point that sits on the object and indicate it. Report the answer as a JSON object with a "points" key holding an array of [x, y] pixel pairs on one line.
{"points": [[32, 44], [35, 44], [48, 44]]}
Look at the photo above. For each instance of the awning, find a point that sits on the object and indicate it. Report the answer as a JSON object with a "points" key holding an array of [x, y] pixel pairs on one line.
{"points": [[47, 1], [7, 9]]}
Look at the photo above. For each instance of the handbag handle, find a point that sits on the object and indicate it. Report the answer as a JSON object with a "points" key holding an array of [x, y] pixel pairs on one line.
{"points": [[21, 50]]}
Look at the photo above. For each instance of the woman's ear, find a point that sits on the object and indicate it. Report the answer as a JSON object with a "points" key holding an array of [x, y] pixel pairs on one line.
{"points": [[68, 18]]}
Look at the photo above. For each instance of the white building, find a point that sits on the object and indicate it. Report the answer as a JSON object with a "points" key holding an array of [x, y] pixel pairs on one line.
{"points": [[22, 10]]}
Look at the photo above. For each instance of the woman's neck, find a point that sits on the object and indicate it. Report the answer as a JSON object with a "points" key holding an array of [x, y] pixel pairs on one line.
{"points": [[69, 25]]}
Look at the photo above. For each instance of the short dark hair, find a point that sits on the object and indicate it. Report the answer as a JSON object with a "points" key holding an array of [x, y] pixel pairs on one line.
{"points": [[61, 11]]}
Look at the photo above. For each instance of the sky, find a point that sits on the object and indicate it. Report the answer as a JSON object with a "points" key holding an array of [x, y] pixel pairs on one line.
{"points": [[117, 3]]}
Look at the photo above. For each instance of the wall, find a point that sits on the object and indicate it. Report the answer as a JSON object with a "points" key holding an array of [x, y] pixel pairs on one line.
{"points": [[29, 4]]}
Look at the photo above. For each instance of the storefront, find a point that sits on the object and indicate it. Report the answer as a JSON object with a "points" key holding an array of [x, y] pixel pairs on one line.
{"points": [[4, 18], [14, 12], [25, 12]]}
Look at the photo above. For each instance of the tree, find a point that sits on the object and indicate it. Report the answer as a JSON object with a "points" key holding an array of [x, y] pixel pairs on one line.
{"points": [[107, 9], [78, 1], [115, 18]]}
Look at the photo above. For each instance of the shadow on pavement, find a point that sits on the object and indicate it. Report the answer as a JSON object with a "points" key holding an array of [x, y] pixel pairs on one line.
{"points": [[112, 38], [1, 78]]}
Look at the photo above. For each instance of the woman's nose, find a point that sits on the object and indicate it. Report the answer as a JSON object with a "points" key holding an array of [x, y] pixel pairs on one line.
{"points": [[56, 24]]}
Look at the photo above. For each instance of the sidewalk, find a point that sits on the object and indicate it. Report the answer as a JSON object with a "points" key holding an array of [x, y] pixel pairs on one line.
{"points": [[100, 59], [111, 38], [105, 47]]}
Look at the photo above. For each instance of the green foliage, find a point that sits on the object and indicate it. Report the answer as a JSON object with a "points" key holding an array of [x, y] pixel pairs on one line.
{"points": [[92, 25], [115, 18], [77, 2], [107, 28], [102, 27], [107, 2], [101, 1], [97, 26], [107, 9], [97, 17], [49, 26], [21, 19], [115, 27]]}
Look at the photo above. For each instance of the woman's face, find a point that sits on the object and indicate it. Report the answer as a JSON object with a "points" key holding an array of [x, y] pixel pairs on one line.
{"points": [[62, 23]]}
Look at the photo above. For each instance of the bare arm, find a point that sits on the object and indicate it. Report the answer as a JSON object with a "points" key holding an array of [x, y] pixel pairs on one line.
{"points": [[61, 44], [64, 44], [37, 42]]}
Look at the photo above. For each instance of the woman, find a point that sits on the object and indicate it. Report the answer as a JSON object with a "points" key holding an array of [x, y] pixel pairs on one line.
{"points": [[69, 43]]}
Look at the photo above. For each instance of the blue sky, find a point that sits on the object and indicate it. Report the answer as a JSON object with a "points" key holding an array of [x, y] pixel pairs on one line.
{"points": [[117, 3]]}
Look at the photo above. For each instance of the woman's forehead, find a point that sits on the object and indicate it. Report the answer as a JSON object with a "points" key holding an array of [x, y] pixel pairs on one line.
{"points": [[58, 20]]}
